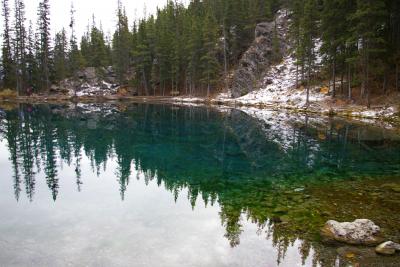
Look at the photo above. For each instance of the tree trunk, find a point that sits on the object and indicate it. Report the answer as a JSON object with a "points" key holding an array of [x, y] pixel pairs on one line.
{"points": [[308, 84], [349, 81], [334, 76], [364, 67], [172, 86], [208, 84], [145, 83], [367, 82], [341, 83], [186, 85], [384, 85], [225, 60], [397, 77]]}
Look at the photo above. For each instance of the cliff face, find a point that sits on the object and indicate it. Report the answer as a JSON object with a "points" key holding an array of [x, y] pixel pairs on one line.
{"points": [[257, 60]]}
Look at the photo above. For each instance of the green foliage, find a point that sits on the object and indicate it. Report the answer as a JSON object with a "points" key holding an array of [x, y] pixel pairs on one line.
{"points": [[94, 50], [184, 48], [43, 49], [180, 48], [359, 39], [60, 56], [7, 60], [121, 55]]}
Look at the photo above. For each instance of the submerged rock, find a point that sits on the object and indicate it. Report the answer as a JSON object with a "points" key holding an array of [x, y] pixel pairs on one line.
{"points": [[351, 253], [359, 232], [387, 248], [392, 186]]}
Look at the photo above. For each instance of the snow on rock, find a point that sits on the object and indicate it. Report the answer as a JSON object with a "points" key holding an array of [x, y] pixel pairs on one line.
{"points": [[280, 88], [100, 89], [359, 232]]}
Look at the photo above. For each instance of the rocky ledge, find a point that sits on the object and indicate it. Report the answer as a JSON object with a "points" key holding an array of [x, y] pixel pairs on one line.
{"points": [[91, 82]]}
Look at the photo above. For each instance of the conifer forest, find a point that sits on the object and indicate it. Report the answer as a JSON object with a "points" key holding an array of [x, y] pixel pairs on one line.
{"points": [[193, 48]]}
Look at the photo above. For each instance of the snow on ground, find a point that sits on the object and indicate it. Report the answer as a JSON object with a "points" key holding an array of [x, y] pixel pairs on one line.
{"points": [[280, 89], [188, 101], [224, 95], [375, 113]]}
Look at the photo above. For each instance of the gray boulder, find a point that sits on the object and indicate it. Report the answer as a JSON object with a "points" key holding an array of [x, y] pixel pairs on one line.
{"points": [[387, 248], [359, 232], [87, 74]]}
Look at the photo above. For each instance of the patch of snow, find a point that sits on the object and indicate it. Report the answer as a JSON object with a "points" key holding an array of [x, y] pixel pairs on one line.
{"points": [[224, 95], [186, 99], [375, 113], [280, 82], [102, 89], [317, 52]]}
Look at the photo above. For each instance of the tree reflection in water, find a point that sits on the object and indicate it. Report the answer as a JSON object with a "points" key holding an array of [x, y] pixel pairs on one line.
{"points": [[257, 170]]}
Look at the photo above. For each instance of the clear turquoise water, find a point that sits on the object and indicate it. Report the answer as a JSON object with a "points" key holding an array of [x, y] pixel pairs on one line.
{"points": [[157, 185]]}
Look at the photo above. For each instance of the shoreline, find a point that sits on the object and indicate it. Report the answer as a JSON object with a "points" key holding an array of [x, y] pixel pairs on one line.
{"points": [[352, 112]]}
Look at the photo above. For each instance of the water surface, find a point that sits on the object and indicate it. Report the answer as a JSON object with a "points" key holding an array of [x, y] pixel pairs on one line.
{"points": [[161, 185]]}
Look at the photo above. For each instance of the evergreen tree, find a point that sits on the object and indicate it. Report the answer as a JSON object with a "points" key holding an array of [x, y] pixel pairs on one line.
{"points": [[142, 57], [75, 59], [7, 56], [94, 48], [19, 44], [209, 62], [31, 63], [308, 36], [121, 44], [44, 44], [183, 48], [60, 56], [368, 21]]}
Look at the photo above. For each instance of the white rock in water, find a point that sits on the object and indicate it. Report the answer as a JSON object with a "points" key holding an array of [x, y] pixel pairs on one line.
{"points": [[359, 232], [387, 248]]}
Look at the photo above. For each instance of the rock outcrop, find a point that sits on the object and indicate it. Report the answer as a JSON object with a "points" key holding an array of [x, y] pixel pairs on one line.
{"points": [[359, 232], [89, 82], [260, 56]]}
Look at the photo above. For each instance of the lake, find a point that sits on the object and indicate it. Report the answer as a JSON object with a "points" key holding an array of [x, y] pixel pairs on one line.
{"points": [[163, 185]]}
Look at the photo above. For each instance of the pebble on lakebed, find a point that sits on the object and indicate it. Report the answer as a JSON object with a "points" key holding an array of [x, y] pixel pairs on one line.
{"points": [[387, 248], [359, 232]]}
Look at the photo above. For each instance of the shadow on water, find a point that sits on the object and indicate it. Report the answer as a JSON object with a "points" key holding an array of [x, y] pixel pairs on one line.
{"points": [[287, 174]]}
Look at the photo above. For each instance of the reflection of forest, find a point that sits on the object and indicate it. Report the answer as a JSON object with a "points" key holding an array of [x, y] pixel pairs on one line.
{"points": [[228, 157]]}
